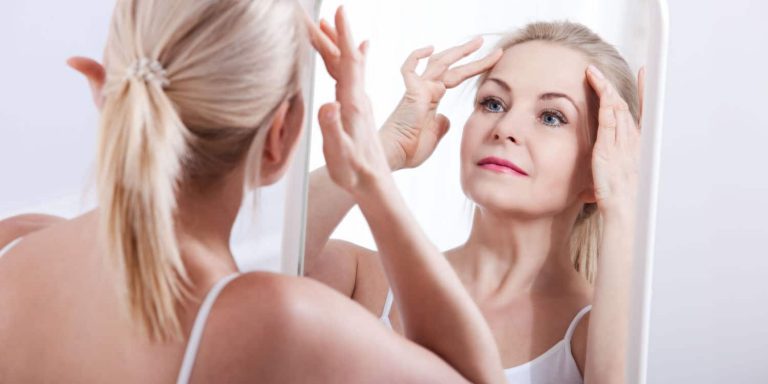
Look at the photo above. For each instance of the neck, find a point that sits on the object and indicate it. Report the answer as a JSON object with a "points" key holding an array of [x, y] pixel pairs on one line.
{"points": [[204, 220], [508, 255]]}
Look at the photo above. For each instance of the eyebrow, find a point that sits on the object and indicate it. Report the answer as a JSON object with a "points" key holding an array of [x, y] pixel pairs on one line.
{"points": [[556, 95], [544, 96]]}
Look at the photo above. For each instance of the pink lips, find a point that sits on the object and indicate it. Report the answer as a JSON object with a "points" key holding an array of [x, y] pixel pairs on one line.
{"points": [[500, 165]]}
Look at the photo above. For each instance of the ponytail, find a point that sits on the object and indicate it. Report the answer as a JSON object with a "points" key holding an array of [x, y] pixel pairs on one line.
{"points": [[228, 63], [141, 143]]}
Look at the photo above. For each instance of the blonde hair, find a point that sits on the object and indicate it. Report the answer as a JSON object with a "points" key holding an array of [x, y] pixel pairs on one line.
{"points": [[191, 87], [585, 236]]}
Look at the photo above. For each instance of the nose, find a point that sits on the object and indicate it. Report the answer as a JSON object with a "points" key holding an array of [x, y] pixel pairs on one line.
{"points": [[496, 137], [508, 129]]}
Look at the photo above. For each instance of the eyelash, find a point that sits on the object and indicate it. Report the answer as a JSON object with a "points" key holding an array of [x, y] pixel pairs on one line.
{"points": [[487, 100], [557, 114]]}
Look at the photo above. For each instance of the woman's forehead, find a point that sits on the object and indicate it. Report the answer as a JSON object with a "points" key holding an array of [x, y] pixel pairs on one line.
{"points": [[540, 67]]}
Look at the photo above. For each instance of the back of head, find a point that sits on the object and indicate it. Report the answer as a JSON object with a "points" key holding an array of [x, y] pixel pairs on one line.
{"points": [[586, 232], [191, 86]]}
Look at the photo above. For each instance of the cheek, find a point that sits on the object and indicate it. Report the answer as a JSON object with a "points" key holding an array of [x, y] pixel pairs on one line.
{"points": [[471, 138], [560, 168]]}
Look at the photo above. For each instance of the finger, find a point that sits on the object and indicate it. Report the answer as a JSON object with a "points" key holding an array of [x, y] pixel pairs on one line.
{"points": [[606, 126], [625, 127], [330, 125], [440, 62], [605, 90], [329, 31], [409, 66], [456, 76], [443, 125], [323, 44], [346, 42], [641, 88]]}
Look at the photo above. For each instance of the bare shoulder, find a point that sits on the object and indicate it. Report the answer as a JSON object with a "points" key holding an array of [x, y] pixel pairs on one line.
{"points": [[54, 240], [292, 329]]}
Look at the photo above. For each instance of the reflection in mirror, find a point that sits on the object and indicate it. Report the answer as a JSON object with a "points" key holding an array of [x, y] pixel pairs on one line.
{"points": [[513, 173]]}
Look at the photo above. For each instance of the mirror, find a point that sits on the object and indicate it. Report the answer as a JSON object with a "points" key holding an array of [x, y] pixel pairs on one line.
{"points": [[433, 190]]}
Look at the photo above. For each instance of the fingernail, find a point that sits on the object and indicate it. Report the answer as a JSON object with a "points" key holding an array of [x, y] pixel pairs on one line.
{"points": [[596, 72]]}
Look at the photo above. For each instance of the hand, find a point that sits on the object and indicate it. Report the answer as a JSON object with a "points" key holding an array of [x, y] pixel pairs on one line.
{"points": [[616, 153], [354, 157], [414, 129]]}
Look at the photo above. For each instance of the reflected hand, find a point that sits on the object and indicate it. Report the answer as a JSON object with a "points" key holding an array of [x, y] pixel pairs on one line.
{"points": [[616, 153], [414, 129], [354, 157]]}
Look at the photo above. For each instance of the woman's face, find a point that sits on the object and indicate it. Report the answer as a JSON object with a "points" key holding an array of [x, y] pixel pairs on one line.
{"points": [[525, 149]]}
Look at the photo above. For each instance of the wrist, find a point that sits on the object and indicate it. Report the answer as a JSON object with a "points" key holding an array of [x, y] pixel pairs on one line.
{"points": [[392, 151], [375, 191]]}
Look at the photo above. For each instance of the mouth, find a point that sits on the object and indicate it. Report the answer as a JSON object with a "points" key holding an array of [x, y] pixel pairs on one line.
{"points": [[500, 165]]}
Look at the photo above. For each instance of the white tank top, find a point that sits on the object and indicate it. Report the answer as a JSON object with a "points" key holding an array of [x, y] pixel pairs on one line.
{"points": [[197, 330], [555, 366], [8, 247]]}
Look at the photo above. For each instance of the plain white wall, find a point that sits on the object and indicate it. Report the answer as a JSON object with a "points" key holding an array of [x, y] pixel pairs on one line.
{"points": [[709, 310]]}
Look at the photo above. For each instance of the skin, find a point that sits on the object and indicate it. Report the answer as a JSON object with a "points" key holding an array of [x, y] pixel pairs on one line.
{"points": [[515, 264], [62, 317]]}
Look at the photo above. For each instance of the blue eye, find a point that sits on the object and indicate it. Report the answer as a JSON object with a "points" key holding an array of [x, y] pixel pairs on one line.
{"points": [[553, 118], [492, 104]]}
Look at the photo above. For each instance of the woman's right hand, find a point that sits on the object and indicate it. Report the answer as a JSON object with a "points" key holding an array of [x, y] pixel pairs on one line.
{"points": [[353, 153], [412, 131]]}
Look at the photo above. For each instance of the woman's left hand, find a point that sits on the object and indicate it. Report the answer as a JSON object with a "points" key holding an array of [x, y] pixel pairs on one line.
{"points": [[353, 153], [616, 153]]}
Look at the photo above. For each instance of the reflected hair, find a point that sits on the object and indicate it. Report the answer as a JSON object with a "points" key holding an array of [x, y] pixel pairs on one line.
{"points": [[585, 236], [191, 88]]}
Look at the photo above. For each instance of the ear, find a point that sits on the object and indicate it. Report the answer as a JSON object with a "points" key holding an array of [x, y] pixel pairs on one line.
{"points": [[588, 195], [282, 139], [94, 73]]}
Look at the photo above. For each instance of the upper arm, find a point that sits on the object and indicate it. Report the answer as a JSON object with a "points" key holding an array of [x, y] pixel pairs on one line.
{"points": [[337, 266], [579, 343], [297, 330]]}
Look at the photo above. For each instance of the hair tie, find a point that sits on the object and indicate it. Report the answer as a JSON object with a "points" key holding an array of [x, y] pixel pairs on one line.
{"points": [[148, 70]]}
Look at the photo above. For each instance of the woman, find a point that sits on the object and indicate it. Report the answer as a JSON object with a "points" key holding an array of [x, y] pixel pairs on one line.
{"points": [[549, 157], [201, 100]]}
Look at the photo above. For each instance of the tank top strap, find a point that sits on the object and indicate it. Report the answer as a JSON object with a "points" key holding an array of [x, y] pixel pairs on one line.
{"points": [[575, 322], [9, 246], [387, 308], [197, 329]]}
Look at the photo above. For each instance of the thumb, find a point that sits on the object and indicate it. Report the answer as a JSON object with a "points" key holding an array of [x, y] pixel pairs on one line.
{"points": [[95, 74], [443, 125], [330, 125]]}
